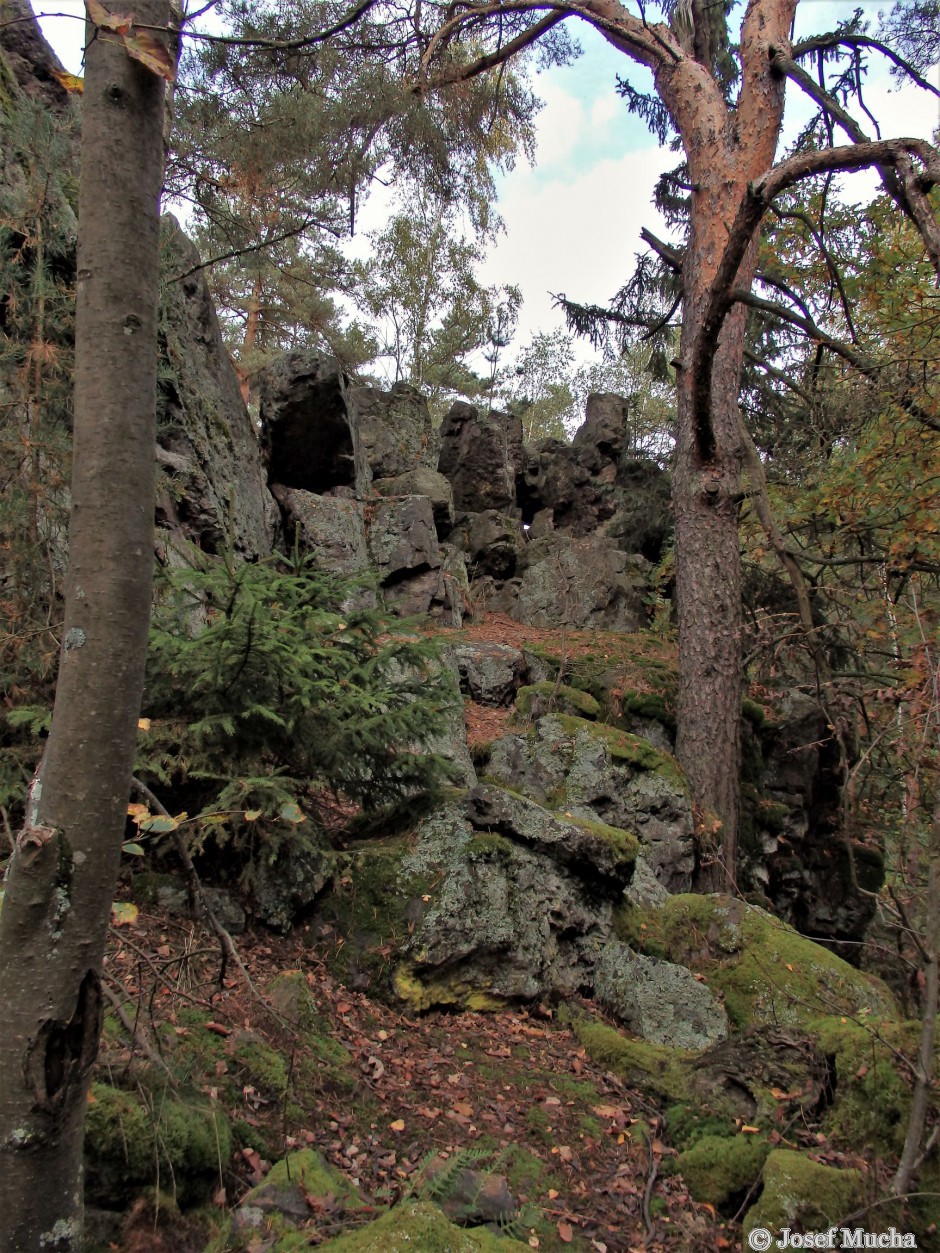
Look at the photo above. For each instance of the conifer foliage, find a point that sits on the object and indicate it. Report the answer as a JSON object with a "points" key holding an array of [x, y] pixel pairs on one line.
{"points": [[264, 688]]}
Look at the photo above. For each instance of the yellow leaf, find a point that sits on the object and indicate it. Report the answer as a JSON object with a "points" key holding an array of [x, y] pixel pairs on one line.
{"points": [[137, 812], [751, 1131], [149, 51], [397, 1125], [143, 724], [252, 815], [71, 82], [123, 913]]}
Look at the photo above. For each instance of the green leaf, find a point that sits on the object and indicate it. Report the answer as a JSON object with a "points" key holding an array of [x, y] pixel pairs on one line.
{"points": [[135, 850], [123, 913], [159, 824], [290, 812]]}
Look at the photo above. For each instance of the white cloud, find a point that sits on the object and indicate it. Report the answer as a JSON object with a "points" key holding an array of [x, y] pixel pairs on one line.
{"points": [[575, 235]]}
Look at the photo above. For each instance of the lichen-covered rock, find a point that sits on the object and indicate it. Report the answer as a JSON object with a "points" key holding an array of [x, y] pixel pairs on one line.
{"points": [[521, 903], [764, 971], [419, 1227], [481, 454], [582, 582], [309, 436], [589, 770], [219, 498], [657, 1000], [394, 429], [489, 673], [291, 881], [331, 529], [803, 1195], [423, 481], [403, 538]]}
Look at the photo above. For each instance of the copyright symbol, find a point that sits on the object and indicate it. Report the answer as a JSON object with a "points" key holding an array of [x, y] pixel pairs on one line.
{"points": [[760, 1239]]}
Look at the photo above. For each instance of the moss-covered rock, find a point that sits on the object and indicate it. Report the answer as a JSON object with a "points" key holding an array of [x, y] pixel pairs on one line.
{"points": [[543, 698], [309, 1172], [720, 1169], [180, 1144], [519, 902], [417, 1225], [588, 770], [803, 1195], [765, 971]]}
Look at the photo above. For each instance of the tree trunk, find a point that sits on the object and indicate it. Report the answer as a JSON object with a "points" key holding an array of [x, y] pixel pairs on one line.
{"points": [[706, 500], [64, 867]]}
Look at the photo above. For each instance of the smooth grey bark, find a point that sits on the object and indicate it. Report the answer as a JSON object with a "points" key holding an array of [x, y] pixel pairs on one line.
{"points": [[64, 868]]}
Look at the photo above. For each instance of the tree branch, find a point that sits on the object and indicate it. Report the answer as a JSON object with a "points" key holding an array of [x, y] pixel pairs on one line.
{"points": [[821, 42], [865, 366], [760, 194]]}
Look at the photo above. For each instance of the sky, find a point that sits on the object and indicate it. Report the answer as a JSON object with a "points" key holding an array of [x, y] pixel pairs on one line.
{"points": [[573, 220]]}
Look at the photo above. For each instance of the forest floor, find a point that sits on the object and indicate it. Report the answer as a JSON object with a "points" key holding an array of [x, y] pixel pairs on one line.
{"points": [[512, 1094]]}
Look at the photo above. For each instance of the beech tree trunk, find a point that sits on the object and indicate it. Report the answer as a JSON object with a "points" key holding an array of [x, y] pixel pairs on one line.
{"points": [[63, 872]]}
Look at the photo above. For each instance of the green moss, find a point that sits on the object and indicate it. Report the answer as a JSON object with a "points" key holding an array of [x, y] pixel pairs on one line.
{"points": [[765, 970], [180, 1143], [488, 846], [651, 705], [755, 714], [263, 1067], [314, 1175], [628, 748], [321, 1063], [624, 844], [872, 1086], [541, 698], [719, 1169], [653, 1065], [417, 1225], [803, 1194]]}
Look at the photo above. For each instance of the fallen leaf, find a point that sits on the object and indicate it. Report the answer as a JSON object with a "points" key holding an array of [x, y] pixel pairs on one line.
{"points": [[397, 1125], [565, 1233], [461, 1107], [123, 913]]}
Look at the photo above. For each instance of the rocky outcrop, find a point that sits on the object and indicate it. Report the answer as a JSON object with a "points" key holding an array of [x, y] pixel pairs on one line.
{"points": [[598, 773], [214, 491], [481, 454]]}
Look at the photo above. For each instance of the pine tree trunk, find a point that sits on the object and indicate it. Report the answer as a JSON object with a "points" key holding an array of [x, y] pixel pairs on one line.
{"points": [[64, 868]]}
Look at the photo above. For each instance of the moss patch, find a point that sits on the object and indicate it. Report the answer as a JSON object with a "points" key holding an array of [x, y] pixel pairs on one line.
{"points": [[417, 1225], [803, 1194], [765, 971], [720, 1169], [652, 1065], [181, 1145], [424, 994], [630, 749], [542, 698]]}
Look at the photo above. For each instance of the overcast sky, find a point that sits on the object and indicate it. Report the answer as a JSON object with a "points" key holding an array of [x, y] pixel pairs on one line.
{"points": [[573, 220]]}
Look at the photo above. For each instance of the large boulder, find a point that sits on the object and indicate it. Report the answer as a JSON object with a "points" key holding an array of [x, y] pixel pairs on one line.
{"points": [[423, 481], [481, 454], [595, 772], [764, 971], [582, 583], [490, 674], [207, 445], [308, 431], [394, 429], [492, 899], [331, 528], [405, 552]]}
